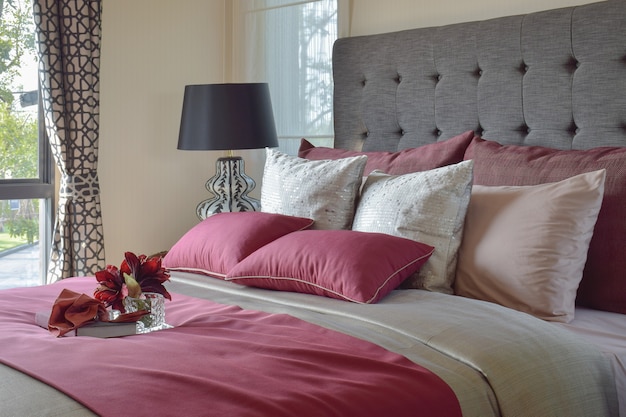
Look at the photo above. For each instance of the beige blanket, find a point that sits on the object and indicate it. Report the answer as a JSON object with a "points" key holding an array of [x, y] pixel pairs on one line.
{"points": [[498, 361]]}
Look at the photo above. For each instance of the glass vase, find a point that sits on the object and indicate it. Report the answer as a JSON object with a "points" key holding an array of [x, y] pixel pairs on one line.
{"points": [[155, 304]]}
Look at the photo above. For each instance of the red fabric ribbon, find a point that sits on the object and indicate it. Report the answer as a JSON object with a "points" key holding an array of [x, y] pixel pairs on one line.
{"points": [[72, 310]]}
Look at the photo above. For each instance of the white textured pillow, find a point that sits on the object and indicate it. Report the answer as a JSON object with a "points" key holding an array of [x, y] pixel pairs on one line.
{"points": [[427, 207], [525, 247], [324, 191]]}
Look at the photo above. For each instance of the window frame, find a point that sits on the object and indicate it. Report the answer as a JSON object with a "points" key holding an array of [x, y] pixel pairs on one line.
{"points": [[43, 188]]}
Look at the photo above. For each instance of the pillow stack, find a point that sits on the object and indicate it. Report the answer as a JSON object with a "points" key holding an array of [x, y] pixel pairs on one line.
{"points": [[512, 225], [304, 240], [280, 252]]}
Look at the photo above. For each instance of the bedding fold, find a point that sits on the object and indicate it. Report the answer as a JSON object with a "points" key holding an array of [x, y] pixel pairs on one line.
{"points": [[228, 360], [546, 370]]}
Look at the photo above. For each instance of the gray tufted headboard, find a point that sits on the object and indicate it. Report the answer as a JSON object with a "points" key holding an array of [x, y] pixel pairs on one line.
{"points": [[555, 78]]}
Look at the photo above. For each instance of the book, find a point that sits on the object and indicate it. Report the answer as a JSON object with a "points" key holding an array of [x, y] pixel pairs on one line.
{"points": [[100, 329]]}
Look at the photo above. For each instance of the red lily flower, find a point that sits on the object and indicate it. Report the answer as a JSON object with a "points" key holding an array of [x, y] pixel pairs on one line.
{"points": [[110, 289], [147, 272]]}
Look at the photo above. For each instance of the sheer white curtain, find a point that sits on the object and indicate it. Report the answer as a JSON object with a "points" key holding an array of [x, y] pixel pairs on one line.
{"points": [[288, 44]]}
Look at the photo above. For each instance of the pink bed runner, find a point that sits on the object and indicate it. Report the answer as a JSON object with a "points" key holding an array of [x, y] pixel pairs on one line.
{"points": [[218, 360]]}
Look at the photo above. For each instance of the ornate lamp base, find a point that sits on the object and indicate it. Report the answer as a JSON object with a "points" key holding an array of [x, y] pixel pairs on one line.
{"points": [[230, 187]]}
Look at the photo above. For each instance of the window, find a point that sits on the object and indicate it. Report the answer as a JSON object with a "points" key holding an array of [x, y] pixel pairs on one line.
{"points": [[288, 44], [26, 175]]}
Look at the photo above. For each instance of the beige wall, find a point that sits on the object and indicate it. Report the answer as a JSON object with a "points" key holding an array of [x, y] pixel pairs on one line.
{"points": [[150, 50], [375, 16]]}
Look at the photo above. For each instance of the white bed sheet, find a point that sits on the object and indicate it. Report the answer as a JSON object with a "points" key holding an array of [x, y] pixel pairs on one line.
{"points": [[608, 332]]}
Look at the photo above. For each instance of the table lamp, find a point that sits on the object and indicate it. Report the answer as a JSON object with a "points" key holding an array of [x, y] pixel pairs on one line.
{"points": [[227, 117]]}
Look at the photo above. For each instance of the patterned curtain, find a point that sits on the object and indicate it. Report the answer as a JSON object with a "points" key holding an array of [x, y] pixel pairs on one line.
{"points": [[68, 42]]}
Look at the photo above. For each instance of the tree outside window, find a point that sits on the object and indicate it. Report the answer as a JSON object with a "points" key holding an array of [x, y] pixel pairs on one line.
{"points": [[26, 169], [19, 133]]}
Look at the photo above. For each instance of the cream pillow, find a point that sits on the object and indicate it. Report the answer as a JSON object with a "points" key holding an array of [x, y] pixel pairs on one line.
{"points": [[525, 247], [324, 191], [427, 207]]}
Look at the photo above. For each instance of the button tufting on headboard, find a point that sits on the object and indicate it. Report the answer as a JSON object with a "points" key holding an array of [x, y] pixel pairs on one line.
{"points": [[573, 64]]}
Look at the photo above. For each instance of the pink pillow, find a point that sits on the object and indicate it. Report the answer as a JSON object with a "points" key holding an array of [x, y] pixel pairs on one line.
{"points": [[355, 266], [524, 247], [215, 245], [603, 285], [423, 158]]}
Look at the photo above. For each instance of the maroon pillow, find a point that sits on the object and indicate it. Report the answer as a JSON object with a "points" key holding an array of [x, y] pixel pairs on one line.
{"points": [[603, 286], [423, 158], [218, 243], [354, 266]]}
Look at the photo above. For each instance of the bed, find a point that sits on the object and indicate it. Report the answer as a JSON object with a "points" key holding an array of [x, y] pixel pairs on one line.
{"points": [[460, 251]]}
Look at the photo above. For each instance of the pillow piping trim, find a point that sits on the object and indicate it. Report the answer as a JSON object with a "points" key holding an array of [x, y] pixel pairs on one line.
{"points": [[197, 270]]}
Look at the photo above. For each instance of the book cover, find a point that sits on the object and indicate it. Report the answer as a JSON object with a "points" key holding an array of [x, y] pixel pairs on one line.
{"points": [[95, 329]]}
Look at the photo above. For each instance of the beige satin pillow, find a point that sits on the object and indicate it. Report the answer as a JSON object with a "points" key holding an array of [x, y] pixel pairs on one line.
{"points": [[525, 247], [427, 207], [324, 191]]}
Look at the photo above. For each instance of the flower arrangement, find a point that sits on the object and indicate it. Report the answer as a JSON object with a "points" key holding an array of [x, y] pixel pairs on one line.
{"points": [[136, 275]]}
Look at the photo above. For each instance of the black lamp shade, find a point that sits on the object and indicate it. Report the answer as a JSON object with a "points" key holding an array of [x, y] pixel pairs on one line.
{"points": [[227, 117]]}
